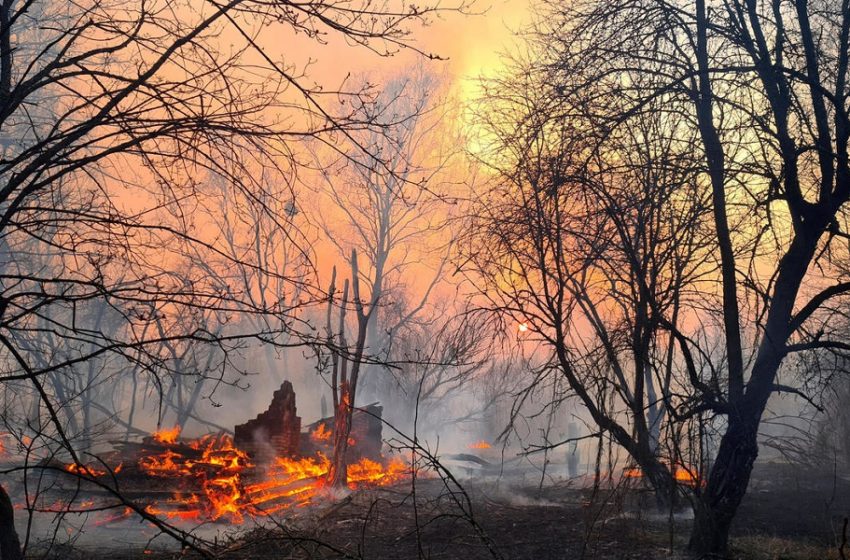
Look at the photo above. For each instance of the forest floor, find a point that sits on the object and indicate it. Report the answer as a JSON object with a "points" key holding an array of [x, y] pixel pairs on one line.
{"points": [[789, 514]]}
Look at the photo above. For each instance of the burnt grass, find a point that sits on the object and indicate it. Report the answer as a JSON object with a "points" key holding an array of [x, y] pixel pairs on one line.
{"points": [[790, 513]]}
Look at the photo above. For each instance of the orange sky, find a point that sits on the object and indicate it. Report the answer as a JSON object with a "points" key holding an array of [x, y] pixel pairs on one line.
{"points": [[471, 44]]}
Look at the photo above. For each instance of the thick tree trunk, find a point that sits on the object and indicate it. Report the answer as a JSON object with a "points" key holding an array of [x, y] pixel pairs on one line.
{"points": [[730, 474], [663, 483], [10, 546], [726, 487]]}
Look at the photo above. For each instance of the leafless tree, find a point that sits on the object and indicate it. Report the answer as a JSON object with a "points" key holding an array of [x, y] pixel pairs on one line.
{"points": [[584, 250], [389, 202], [392, 208], [440, 360], [257, 238]]}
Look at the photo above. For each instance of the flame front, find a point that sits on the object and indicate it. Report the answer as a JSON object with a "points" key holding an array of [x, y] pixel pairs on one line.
{"points": [[210, 479]]}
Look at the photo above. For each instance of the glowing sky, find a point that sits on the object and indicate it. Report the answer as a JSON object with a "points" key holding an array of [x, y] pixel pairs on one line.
{"points": [[471, 44], [474, 44]]}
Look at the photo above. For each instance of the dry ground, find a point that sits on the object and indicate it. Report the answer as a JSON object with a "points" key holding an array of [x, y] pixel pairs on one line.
{"points": [[788, 515]]}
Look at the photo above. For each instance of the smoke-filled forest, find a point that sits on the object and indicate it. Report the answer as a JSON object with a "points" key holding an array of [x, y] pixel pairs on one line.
{"points": [[453, 279]]}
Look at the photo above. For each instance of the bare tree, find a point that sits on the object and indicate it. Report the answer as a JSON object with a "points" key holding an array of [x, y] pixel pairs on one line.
{"points": [[584, 250], [393, 207], [441, 360], [393, 222], [269, 236]]}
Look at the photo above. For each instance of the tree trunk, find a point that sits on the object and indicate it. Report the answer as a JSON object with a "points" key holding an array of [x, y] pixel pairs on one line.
{"points": [[662, 480], [10, 546], [726, 487], [338, 473]]}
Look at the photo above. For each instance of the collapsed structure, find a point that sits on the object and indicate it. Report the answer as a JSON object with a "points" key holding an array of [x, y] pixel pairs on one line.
{"points": [[276, 432]]}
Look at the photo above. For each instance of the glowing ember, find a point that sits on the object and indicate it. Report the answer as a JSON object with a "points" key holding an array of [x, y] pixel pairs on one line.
{"points": [[89, 470], [167, 436], [523, 327], [479, 445]]}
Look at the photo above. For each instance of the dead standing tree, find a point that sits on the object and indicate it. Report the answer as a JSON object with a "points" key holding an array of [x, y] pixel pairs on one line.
{"points": [[345, 365]]}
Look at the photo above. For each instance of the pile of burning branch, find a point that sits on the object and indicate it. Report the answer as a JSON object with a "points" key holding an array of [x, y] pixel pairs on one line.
{"points": [[270, 465]]}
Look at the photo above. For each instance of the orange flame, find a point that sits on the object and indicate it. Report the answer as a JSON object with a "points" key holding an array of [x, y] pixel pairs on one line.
{"points": [[682, 474], [321, 433], [479, 445], [89, 470], [217, 480], [367, 472], [632, 472], [167, 436]]}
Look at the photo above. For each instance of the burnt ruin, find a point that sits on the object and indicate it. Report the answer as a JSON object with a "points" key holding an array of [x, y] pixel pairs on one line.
{"points": [[276, 432]]}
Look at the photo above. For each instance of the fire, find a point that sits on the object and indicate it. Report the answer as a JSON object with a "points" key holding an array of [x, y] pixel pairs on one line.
{"points": [[210, 479], [681, 473], [211, 463], [219, 450], [89, 470], [321, 433], [685, 476], [367, 472], [164, 465], [632, 472], [218, 481], [167, 436], [479, 445], [224, 494]]}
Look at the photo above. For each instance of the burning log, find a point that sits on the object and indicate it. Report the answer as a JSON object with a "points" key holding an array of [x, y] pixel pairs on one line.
{"points": [[275, 432]]}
